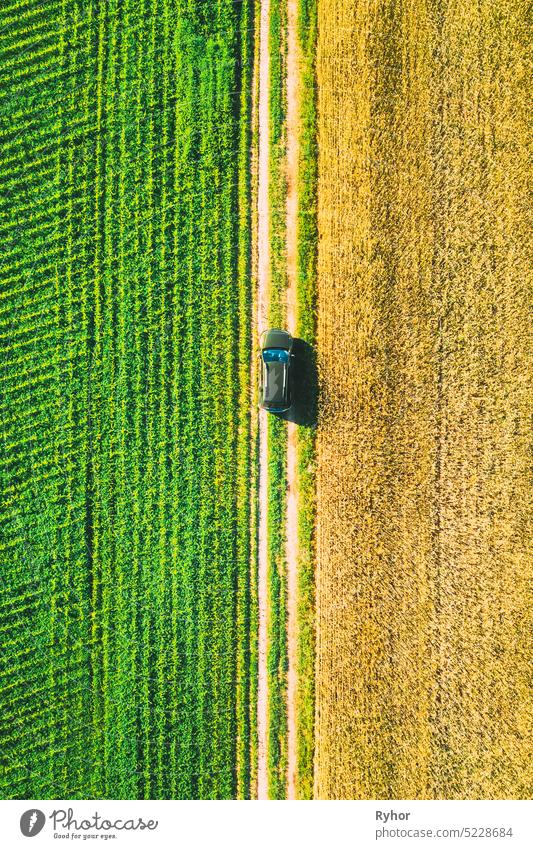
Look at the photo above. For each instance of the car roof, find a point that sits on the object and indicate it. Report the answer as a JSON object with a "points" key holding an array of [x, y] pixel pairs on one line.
{"points": [[275, 383]]}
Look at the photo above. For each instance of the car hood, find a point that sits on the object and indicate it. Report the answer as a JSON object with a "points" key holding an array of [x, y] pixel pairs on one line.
{"points": [[276, 339]]}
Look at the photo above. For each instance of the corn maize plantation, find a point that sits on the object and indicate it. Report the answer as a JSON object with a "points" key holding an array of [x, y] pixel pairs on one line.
{"points": [[126, 610]]}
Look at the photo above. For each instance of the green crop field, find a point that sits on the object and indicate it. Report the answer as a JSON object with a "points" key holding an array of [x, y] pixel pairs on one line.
{"points": [[127, 616]]}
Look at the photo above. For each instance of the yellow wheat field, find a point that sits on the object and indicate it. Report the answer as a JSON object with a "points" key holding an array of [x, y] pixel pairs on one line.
{"points": [[423, 620]]}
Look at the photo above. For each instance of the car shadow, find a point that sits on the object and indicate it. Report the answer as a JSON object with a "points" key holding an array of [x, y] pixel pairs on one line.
{"points": [[304, 410]]}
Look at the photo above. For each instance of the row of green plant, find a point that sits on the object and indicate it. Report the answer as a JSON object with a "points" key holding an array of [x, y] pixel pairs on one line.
{"points": [[125, 334], [252, 399]]}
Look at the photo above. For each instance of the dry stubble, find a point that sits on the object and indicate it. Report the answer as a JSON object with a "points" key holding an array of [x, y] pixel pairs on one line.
{"points": [[422, 447]]}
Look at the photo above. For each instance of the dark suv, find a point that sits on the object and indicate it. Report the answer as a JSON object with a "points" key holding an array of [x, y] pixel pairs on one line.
{"points": [[276, 356]]}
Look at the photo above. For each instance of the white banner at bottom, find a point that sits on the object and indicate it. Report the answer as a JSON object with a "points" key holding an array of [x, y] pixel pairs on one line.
{"points": [[267, 825]]}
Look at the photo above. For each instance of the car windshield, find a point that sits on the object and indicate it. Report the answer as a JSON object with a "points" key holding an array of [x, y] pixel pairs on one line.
{"points": [[275, 355]]}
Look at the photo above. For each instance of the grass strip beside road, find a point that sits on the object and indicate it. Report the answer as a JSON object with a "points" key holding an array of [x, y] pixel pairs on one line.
{"points": [[277, 437]]}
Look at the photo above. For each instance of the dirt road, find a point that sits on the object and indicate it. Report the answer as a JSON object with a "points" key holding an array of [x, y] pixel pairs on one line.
{"points": [[262, 319], [263, 276]]}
